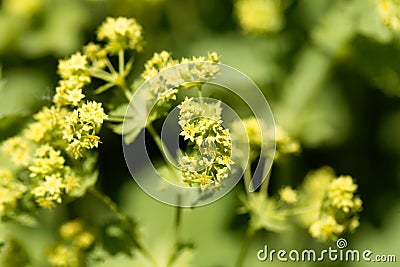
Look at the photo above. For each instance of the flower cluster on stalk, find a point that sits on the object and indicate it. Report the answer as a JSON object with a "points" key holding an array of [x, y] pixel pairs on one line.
{"points": [[52, 156], [332, 204], [207, 158], [72, 251]]}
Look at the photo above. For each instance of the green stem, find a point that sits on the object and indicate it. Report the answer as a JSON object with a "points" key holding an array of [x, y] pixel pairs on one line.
{"points": [[265, 184], [177, 225], [103, 88], [245, 246], [102, 75], [110, 66], [109, 203], [247, 178], [200, 94], [121, 62], [115, 119], [127, 93], [178, 217], [164, 152]]}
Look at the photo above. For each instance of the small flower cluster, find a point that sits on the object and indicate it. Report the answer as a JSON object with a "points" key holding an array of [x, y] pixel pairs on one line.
{"points": [[389, 11], [324, 204], [159, 62], [195, 69], [44, 153], [18, 149], [288, 195], [256, 136], [285, 144], [333, 204], [207, 160], [259, 16], [188, 73], [49, 178], [24, 9], [75, 243], [74, 71], [121, 34], [11, 191]]}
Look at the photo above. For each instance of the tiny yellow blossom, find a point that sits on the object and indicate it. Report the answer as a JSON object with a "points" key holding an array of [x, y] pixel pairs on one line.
{"points": [[71, 229], [188, 132], [326, 229], [11, 190], [201, 126], [159, 62], [19, 150], [92, 112], [259, 16], [121, 33], [46, 121], [84, 240], [22, 8], [47, 161], [389, 11], [63, 256], [75, 96], [71, 182], [341, 194], [284, 143], [76, 67], [288, 195], [48, 191]]}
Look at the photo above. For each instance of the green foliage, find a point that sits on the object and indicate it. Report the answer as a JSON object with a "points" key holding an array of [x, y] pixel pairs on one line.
{"points": [[330, 70]]}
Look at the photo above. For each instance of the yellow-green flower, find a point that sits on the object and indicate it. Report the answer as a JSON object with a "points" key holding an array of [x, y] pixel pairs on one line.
{"points": [[76, 67], [341, 194], [19, 150], [389, 11], [259, 16], [326, 229], [121, 33], [288, 195], [207, 160]]}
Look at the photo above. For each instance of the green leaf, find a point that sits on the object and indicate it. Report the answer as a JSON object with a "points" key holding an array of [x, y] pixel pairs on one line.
{"points": [[264, 213], [119, 237], [134, 122], [25, 219], [13, 254], [11, 124], [88, 177], [86, 182], [119, 111]]}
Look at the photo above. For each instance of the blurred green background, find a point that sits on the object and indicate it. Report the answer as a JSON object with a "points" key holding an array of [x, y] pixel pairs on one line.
{"points": [[331, 75]]}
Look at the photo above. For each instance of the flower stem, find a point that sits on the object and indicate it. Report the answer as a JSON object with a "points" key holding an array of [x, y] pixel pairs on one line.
{"points": [[245, 246], [109, 203], [200, 94], [110, 66], [128, 94], [265, 184], [121, 62], [177, 224], [178, 217], [115, 119], [247, 178], [164, 152]]}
